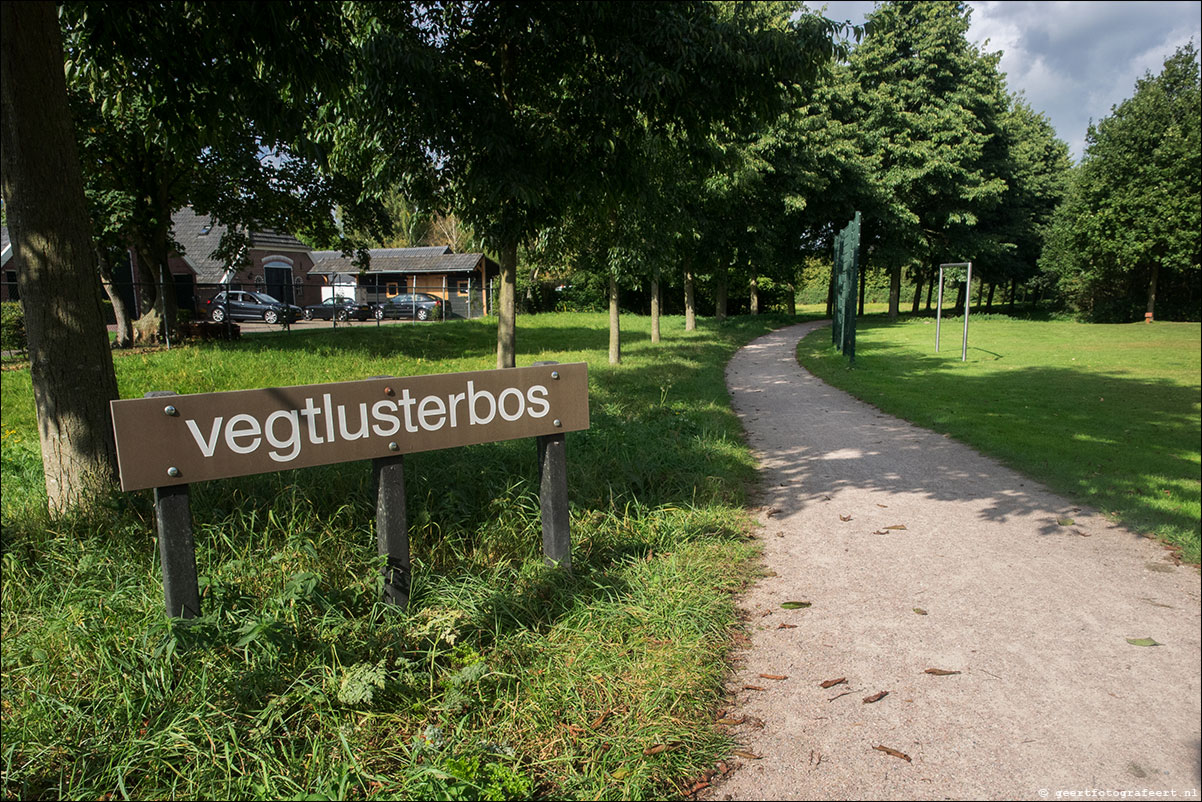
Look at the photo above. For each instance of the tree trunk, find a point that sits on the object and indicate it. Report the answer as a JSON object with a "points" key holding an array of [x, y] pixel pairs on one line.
{"points": [[506, 306], [1152, 292], [989, 298], [125, 332], [754, 286], [918, 281], [894, 291], [71, 365], [720, 293], [615, 331], [792, 300], [863, 286], [930, 288], [980, 293], [690, 299], [830, 293], [1013, 293], [655, 306]]}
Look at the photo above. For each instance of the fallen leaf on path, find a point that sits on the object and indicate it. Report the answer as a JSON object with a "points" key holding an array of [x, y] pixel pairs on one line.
{"points": [[840, 696], [775, 676], [787, 626], [920, 611], [845, 518], [883, 506], [939, 672], [747, 754], [830, 683], [896, 526], [1065, 521], [731, 722], [893, 752], [754, 688], [876, 697], [700, 786], [773, 511], [771, 573], [795, 605], [1143, 642]]}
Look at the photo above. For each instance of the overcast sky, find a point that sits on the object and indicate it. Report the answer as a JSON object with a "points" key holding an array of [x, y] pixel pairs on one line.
{"points": [[1073, 60]]}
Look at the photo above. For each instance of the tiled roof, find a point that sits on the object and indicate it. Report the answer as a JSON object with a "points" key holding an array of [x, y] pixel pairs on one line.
{"points": [[382, 261], [198, 236]]}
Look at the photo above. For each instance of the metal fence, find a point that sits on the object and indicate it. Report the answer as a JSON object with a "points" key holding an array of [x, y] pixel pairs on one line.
{"points": [[305, 301]]}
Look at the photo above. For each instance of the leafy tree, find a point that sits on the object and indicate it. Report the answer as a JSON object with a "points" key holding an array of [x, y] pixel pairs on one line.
{"points": [[193, 103], [1130, 228], [536, 108], [70, 363], [932, 109], [1037, 174]]}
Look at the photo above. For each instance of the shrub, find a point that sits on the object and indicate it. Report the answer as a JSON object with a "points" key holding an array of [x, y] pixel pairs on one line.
{"points": [[12, 327]]}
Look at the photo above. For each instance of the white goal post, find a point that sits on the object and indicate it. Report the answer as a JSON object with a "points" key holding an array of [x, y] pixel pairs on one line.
{"points": [[967, 301]]}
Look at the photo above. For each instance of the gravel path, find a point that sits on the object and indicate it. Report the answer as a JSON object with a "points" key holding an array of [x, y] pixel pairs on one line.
{"points": [[981, 574]]}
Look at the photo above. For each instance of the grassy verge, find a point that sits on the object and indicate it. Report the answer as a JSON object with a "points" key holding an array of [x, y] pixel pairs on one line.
{"points": [[1106, 415], [503, 680]]}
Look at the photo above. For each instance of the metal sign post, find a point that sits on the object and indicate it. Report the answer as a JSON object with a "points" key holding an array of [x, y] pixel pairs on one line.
{"points": [[967, 301]]}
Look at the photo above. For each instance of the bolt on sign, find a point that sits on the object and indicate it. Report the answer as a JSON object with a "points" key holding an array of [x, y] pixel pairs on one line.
{"points": [[181, 439]]}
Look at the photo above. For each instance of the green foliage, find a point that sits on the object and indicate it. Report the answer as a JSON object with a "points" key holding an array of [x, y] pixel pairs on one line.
{"points": [[12, 327], [931, 110], [1106, 415], [1127, 239]]}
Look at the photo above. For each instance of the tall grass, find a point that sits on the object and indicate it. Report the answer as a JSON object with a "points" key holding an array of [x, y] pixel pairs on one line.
{"points": [[503, 680], [1108, 415]]}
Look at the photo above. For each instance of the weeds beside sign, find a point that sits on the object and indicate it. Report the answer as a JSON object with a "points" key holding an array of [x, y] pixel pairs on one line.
{"points": [[192, 438], [167, 441]]}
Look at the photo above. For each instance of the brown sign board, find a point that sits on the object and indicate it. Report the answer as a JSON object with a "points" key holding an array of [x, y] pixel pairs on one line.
{"points": [[180, 439]]}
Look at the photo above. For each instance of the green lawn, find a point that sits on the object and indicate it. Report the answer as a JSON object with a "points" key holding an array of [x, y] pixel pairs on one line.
{"points": [[504, 680], [1107, 415]]}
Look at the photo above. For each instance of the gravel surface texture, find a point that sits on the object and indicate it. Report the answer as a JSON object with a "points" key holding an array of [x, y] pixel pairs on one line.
{"points": [[914, 553]]}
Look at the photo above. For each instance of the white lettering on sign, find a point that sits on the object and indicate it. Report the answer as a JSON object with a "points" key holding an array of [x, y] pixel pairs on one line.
{"points": [[286, 436]]}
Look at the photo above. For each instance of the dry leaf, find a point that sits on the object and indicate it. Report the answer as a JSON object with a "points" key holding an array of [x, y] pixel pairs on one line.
{"points": [[731, 722], [753, 688], [795, 605], [775, 676], [897, 527], [844, 517], [840, 696], [830, 683], [771, 573], [893, 752], [1143, 642], [773, 511], [920, 611], [787, 626], [883, 506], [747, 754], [599, 720], [876, 697], [655, 750], [939, 672]]}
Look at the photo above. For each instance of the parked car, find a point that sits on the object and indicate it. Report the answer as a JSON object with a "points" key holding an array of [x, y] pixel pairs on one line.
{"points": [[245, 305], [411, 306], [339, 307]]}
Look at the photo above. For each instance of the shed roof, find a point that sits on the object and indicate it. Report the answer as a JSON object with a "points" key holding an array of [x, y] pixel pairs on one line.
{"points": [[442, 261]]}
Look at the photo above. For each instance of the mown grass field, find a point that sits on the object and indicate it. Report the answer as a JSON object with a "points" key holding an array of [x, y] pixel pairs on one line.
{"points": [[1108, 415], [503, 680]]}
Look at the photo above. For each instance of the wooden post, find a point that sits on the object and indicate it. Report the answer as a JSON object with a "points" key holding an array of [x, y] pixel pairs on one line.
{"points": [[177, 550], [553, 497], [392, 528]]}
